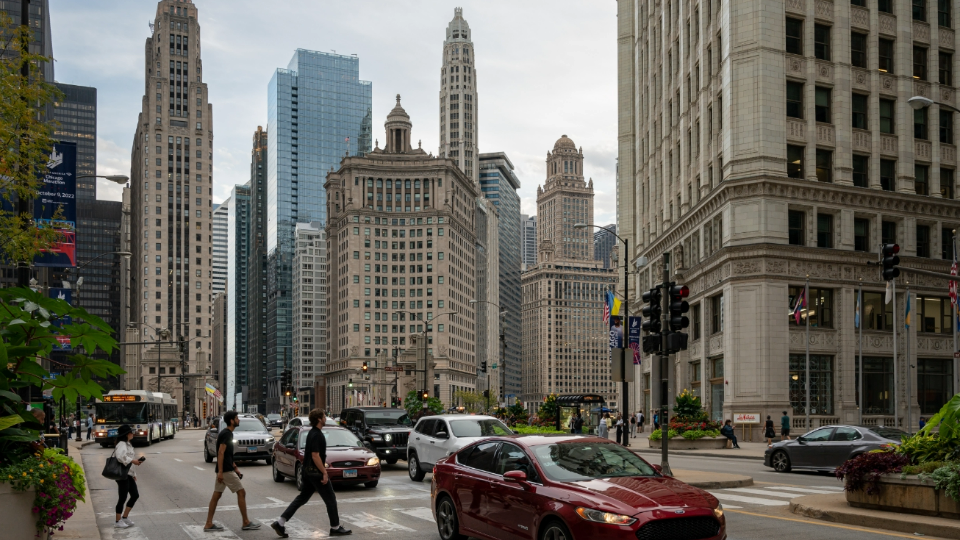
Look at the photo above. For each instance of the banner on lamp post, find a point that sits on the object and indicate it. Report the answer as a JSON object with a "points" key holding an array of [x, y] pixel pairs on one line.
{"points": [[56, 206]]}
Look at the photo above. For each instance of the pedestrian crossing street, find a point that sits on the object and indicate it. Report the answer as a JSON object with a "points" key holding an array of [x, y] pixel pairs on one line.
{"points": [[768, 495]]}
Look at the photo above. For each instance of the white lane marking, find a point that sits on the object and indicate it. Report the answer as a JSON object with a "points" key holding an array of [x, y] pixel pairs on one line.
{"points": [[731, 506], [374, 524], [802, 490], [832, 488], [231, 507], [195, 532], [763, 492], [274, 499], [130, 533], [421, 512], [749, 500], [295, 528], [180, 460], [199, 468]]}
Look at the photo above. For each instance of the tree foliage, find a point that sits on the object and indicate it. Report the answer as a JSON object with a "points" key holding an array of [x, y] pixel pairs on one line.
{"points": [[414, 406]]}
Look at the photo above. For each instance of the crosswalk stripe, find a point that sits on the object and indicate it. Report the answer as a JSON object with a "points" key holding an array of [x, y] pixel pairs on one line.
{"points": [[421, 512], [763, 492], [130, 533], [295, 528], [749, 500], [195, 532], [802, 490], [274, 499], [372, 522], [198, 468], [232, 507], [832, 488]]}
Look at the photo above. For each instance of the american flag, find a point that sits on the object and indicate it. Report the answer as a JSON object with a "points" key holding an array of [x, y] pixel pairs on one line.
{"points": [[953, 284], [606, 309]]}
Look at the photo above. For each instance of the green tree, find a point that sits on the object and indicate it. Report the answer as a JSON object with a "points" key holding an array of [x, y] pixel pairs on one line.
{"points": [[520, 414], [548, 409], [26, 138], [414, 405]]}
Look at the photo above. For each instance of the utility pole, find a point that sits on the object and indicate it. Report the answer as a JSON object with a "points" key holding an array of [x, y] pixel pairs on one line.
{"points": [[665, 372], [25, 205]]}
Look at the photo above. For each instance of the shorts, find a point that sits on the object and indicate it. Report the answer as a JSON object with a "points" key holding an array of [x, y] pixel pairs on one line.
{"points": [[785, 432], [230, 480]]}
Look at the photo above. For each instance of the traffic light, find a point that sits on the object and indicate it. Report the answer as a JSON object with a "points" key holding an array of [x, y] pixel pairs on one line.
{"points": [[651, 343], [651, 313], [350, 383], [483, 367], [889, 261], [365, 368], [287, 393], [676, 339], [426, 395], [486, 394], [295, 399]]}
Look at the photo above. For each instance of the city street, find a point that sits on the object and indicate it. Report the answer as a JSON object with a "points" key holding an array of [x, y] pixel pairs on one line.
{"points": [[175, 487]]}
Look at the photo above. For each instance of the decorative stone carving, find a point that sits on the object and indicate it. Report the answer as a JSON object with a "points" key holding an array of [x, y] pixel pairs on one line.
{"points": [[861, 140], [888, 144], [795, 129], [934, 344], [921, 89], [947, 39], [795, 65], [860, 17], [716, 343], [825, 134], [888, 84], [746, 267], [860, 78], [824, 72], [946, 94], [921, 31], [695, 350], [796, 6], [888, 24], [922, 150], [824, 10], [948, 154], [776, 267]]}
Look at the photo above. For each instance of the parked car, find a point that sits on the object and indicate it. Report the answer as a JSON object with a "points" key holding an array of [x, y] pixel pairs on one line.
{"points": [[436, 437], [274, 420], [251, 440], [386, 430], [349, 461], [826, 448], [565, 487]]}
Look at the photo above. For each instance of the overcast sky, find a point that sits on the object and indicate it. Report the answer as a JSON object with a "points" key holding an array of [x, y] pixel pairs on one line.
{"points": [[544, 68]]}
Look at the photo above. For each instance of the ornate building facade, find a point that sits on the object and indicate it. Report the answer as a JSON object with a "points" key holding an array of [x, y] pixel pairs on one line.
{"points": [[458, 98]]}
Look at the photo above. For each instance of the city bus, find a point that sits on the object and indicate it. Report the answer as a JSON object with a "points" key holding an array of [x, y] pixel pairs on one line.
{"points": [[152, 416]]}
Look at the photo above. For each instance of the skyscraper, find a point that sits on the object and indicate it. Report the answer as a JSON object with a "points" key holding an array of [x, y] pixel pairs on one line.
{"points": [[499, 184], [603, 243], [172, 209], [40, 23], [239, 248], [318, 112], [528, 236], [458, 98], [309, 313], [221, 219], [256, 392], [76, 115]]}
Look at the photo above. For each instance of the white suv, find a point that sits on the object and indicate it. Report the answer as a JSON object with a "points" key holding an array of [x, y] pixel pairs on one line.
{"points": [[435, 437]]}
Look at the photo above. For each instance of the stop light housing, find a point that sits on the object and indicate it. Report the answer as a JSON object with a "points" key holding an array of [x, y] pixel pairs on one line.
{"points": [[651, 343], [889, 261], [350, 383], [483, 367], [678, 306], [365, 367], [426, 395], [652, 311]]}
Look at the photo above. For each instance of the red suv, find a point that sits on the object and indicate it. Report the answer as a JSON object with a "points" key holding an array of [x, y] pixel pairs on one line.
{"points": [[565, 487], [349, 461]]}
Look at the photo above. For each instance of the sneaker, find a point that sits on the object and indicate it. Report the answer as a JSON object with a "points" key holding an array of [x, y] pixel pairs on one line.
{"points": [[127, 521], [252, 526], [216, 527], [280, 529], [121, 524], [340, 531]]}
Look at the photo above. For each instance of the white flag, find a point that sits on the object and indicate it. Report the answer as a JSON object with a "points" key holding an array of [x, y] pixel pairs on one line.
{"points": [[888, 295]]}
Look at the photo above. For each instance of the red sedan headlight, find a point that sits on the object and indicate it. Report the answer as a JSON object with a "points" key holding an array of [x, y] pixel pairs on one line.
{"points": [[604, 517]]}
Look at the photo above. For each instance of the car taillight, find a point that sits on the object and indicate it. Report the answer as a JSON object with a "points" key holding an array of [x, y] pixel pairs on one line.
{"points": [[434, 469]]}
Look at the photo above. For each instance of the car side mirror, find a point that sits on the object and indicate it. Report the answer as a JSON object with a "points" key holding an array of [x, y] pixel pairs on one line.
{"points": [[358, 424], [801, 440], [367, 444], [515, 476], [441, 435]]}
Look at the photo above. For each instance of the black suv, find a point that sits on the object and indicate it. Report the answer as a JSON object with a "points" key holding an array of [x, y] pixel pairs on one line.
{"points": [[386, 429]]}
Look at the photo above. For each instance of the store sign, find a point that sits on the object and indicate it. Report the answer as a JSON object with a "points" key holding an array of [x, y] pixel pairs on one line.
{"points": [[746, 418]]}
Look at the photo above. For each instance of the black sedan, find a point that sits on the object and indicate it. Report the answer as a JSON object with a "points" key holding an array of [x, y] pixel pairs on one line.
{"points": [[826, 448]]}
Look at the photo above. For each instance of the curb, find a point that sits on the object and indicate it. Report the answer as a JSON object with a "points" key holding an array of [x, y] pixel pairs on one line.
{"points": [[834, 508], [698, 454], [740, 481]]}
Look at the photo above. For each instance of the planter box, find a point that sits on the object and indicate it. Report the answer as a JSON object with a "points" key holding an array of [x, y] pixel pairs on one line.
{"points": [[19, 522], [908, 495], [679, 443]]}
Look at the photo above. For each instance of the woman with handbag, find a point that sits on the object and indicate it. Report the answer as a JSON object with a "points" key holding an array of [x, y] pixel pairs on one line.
{"points": [[127, 486]]}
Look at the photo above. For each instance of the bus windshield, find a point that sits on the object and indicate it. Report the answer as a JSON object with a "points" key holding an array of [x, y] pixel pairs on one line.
{"points": [[121, 413]]}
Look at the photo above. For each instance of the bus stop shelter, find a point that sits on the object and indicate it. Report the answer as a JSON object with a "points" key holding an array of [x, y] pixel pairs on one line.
{"points": [[588, 405]]}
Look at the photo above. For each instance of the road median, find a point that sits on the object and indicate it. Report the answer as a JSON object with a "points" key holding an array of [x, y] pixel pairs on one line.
{"points": [[712, 480], [834, 508]]}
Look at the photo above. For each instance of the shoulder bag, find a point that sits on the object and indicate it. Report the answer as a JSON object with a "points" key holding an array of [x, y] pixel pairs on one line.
{"points": [[113, 469]]}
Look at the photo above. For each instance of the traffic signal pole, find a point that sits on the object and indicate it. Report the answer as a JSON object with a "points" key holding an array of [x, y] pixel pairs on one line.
{"points": [[665, 372]]}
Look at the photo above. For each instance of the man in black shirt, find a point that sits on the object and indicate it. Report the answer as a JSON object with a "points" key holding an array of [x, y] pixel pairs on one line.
{"points": [[228, 476], [315, 479]]}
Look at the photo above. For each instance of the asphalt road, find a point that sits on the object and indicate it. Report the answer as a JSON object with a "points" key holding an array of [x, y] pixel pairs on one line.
{"points": [[175, 487]]}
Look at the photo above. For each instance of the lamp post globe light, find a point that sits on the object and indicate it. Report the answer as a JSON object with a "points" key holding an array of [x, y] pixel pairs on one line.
{"points": [[920, 102]]}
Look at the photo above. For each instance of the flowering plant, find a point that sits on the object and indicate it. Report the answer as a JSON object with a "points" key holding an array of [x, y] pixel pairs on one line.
{"points": [[864, 471], [59, 483]]}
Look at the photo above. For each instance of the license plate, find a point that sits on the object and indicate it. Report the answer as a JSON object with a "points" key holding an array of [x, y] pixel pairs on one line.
{"points": [[111, 433], [251, 449], [350, 473]]}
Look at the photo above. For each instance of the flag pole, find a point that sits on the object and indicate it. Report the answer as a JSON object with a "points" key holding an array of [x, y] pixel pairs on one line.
{"points": [[806, 377], [896, 410], [906, 351], [860, 359]]}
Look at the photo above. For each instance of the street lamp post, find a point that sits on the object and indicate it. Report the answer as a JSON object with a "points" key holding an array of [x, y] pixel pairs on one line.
{"points": [[426, 341], [625, 389], [503, 348]]}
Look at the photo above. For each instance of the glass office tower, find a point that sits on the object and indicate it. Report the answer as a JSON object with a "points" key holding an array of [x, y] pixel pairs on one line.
{"points": [[318, 111], [238, 253]]}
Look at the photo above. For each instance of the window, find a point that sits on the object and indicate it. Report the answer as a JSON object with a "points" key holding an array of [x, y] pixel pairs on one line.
{"points": [[877, 314], [794, 161], [946, 244], [861, 234], [934, 382], [920, 63], [794, 99], [888, 232], [921, 180], [794, 36], [821, 385], [946, 126], [716, 313], [859, 111], [920, 124], [858, 49], [933, 315], [945, 65], [923, 241], [887, 110], [480, 457], [824, 165], [825, 230], [886, 6], [946, 183], [821, 41], [819, 307], [919, 10], [877, 384], [888, 175], [861, 175], [797, 233], [823, 104], [696, 322], [885, 53]]}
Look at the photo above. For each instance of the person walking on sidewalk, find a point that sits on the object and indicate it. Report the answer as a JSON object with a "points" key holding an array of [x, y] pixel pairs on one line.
{"points": [[633, 426], [228, 476], [727, 431], [89, 426], [123, 451], [640, 420], [768, 431], [602, 429], [620, 427], [315, 479], [784, 427]]}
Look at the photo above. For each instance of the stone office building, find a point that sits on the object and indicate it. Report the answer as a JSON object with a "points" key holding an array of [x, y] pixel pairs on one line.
{"points": [[762, 145]]}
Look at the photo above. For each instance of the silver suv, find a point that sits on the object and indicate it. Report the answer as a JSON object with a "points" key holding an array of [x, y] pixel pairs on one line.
{"points": [[435, 437], [251, 440]]}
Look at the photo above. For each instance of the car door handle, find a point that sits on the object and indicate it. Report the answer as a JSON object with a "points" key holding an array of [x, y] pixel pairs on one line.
{"points": [[418, 438], [433, 442]]}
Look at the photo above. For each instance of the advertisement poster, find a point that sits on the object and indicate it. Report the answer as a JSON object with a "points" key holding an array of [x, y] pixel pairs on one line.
{"points": [[67, 296], [616, 332], [633, 340], [56, 205]]}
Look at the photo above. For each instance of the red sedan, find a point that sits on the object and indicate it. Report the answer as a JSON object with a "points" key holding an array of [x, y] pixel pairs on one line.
{"points": [[349, 461], [565, 488]]}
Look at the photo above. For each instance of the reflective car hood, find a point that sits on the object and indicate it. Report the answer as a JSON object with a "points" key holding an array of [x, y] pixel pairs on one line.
{"points": [[341, 453], [632, 495], [389, 429]]}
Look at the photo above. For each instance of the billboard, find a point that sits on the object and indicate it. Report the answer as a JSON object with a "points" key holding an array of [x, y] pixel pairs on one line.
{"points": [[56, 205]]}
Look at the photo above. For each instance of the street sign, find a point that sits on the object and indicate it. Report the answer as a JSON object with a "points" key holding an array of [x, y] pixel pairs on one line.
{"points": [[956, 354], [494, 366], [746, 418], [393, 368]]}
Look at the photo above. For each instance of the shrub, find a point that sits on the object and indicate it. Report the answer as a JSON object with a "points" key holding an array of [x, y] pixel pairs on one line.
{"points": [[694, 434], [656, 435], [925, 468], [946, 478], [864, 471], [534, 430]]}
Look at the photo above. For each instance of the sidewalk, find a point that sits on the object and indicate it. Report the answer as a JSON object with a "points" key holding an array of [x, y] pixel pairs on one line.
{"points": [[712, 480], [83, 523], [747, 450], [834, 508]]}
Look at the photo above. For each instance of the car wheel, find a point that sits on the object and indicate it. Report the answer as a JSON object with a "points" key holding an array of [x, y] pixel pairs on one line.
{"points": [[780, 461], [392, 461], [206, 455], [277, 476], [555, 530], [298, 474], [269, 460], [372, 484], [448, 524], [413, 468]]}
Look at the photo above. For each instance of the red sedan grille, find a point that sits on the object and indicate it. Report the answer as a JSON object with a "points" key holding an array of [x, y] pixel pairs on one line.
{"points": [[345, 464], [689, 528]]}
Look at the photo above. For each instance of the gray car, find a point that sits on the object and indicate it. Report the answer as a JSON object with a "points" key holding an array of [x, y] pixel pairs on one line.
{"points": [[826, 448], [251, 440]]}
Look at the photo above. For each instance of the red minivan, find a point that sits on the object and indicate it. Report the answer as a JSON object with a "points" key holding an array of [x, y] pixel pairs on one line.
{"points": [[565, 487], [348, 460]]}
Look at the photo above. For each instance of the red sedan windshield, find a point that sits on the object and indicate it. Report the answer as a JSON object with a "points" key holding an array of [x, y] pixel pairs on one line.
{"points": [[577, 461]]}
